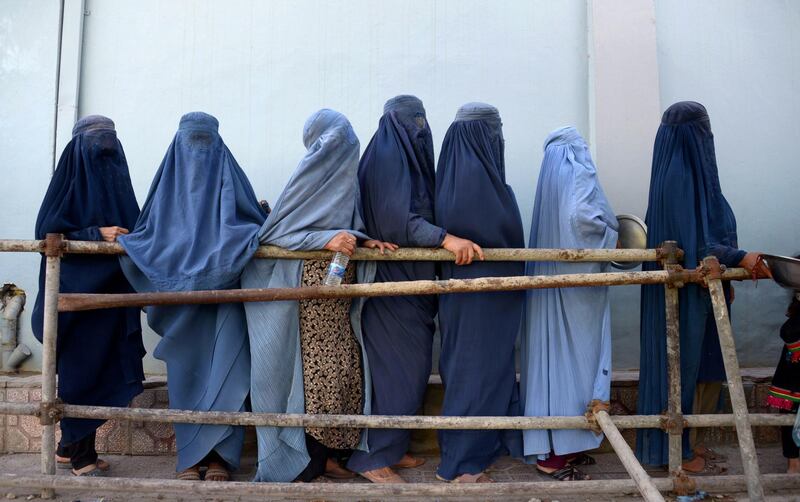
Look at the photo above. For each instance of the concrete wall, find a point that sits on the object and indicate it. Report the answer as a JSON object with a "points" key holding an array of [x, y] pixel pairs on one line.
{"points": [[263, 67], [28, 48]]}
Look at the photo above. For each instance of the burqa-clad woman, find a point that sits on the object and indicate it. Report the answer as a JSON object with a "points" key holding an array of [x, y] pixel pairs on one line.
{"points": [[566, 338], [197, 231], [99, 353], [685, 205], [397, 180], [478, 329], [307, 355]]}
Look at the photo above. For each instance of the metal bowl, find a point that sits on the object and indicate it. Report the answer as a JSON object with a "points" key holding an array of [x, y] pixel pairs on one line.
{"points": [[785, 270], [632, 235]]}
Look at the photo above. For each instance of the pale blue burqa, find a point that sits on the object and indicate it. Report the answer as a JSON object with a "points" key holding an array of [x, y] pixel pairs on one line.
{"points": [[566, 337], [320, 200]]}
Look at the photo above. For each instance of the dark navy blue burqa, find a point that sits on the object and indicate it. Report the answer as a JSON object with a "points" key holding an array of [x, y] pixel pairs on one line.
{"points": [[197, 231], [478, 330], [99, 353], [397, 179], [686, 205]]}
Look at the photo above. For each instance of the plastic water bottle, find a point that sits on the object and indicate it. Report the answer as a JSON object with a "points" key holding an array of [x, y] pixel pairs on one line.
{"points": [[336, 269]]}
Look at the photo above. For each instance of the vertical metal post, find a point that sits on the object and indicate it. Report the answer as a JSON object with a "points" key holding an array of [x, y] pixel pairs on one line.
{"points": [[53, 246], [635, 470], [675, 415], [743, 431]]}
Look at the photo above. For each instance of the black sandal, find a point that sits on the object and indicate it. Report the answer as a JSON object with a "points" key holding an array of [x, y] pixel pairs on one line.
{"points": [[582, 459], [568, 473]]}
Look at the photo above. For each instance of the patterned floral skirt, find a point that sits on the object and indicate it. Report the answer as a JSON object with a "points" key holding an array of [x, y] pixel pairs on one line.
{"points": [[332, 375]]}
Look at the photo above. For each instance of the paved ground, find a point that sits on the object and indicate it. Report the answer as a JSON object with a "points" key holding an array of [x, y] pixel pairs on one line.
{"points": [[505, 470]]}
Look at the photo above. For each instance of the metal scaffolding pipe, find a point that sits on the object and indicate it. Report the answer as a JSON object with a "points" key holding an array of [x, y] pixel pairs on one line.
{"points": [[738, 401], [52, 283], [381, 421], [402, 254], [675, 420], [635, 470], [73, 302], [364, 491]]}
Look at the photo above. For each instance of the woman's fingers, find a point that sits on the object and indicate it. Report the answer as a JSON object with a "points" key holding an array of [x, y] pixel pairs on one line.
{"points": [[478, 250], [122, 230], [470, 253]]}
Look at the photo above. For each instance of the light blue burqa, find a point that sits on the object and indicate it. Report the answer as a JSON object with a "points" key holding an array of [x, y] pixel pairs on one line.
{"points": [[320, 200], [566, 337], [197, 230]]}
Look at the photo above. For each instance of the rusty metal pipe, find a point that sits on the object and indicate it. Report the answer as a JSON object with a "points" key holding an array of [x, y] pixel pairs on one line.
{"points": [[402, 254], [82, 301]]}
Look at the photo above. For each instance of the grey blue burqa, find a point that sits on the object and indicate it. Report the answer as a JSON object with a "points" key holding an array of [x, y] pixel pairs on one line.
{"points": [[478, 329], [320, 200], [566, 338], [197, 231], [397, 178]]}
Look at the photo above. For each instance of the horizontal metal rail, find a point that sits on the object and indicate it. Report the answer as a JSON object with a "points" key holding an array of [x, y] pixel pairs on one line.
{"points": [[377, 421], [72, 302], [364, 491], [402, 254]]}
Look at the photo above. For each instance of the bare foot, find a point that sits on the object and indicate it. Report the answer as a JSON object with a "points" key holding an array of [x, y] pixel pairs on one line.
{"points": [[696, 464], [702, 467], [335, 471], [382, 475], [794, 466], [89, 470], [480, 477], [408, 462]]}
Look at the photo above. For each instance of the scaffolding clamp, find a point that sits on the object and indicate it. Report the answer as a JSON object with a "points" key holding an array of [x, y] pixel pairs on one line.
{"points": [[683, 484], [51, 412], [53, 245], [592, 408]]}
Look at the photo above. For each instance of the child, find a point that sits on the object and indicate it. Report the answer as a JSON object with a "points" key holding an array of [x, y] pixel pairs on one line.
{"points": [[784, 393]]}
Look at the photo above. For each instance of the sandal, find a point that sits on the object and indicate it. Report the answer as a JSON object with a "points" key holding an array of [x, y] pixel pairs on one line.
{"points": [[709, 469], [568, 473], [581, 459], [335, 471], [709, 454], [190, 474], [409, 462], [94, 473], [216, 470], [382, 475], [480, 477], [65, 464]]}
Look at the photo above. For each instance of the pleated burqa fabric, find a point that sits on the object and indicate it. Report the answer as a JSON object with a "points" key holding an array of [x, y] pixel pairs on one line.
{"points": [[197, 231], [397, 179], [566, 337], [99, 353], [478, 330], [320, 200], [685, 205]]}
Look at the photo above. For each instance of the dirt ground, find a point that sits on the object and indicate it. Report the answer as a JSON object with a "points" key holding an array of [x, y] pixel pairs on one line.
{"points": [[505, 470]]}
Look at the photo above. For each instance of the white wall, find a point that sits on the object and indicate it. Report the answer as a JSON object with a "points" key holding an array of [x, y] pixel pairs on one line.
{"points": [[625, 110], [263, 67], [28, 46]]}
